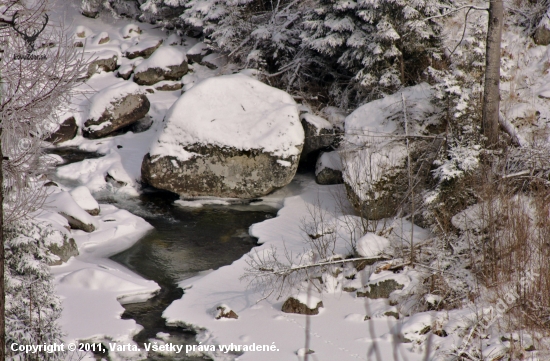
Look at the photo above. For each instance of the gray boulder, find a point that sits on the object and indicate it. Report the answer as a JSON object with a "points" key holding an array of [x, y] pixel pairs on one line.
{"points": [[228, 136], [168, 63], [64, 251], [104, 61], [114, 108], [67, 131]]}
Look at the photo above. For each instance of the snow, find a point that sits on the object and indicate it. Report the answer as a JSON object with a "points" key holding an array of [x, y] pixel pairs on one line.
{"points": [[231, 111], [329, 160], [92, 286], [198, 48], [102, 100], [162, 58], [261, 321], [371, 245], [64, 203], [83, 198]]}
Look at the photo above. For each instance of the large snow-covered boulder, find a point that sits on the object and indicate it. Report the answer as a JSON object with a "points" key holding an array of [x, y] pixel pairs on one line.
{"points": [[115, 107], [167, 63], [228, 136], [374, 153]]}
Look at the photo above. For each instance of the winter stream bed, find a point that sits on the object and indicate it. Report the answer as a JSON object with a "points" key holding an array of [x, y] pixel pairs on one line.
{"points": [[185, 242]]}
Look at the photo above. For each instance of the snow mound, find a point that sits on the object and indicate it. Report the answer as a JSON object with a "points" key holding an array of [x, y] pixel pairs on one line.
{"points": [[232, 111], [371, 245], [84, 199], [65, 205], [102, 100], [385, 116], [329, 160], [162, 58], [94, 279]]}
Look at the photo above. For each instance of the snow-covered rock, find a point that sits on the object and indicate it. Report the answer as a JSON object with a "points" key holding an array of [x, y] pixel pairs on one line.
{"points": [[197, 52], [63, 250], [167, 63], [84, 199], [64, 204], [143, 49], [328, 169], [115, 107], [371, 245], [229, 136], [302, 304], [374, 152], [214, 60], [319, 134], [67, 130], [542, 34], [106, 60]]}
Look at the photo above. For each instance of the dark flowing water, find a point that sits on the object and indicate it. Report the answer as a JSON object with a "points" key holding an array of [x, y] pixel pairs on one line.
{"points": [[185, 241]]}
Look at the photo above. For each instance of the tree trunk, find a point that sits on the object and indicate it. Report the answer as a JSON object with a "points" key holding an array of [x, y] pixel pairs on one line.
{"points": [[491, 94], [2, 261]]}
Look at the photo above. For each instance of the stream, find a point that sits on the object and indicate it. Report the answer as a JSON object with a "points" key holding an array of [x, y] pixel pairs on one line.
{"points": [[185, 242]]}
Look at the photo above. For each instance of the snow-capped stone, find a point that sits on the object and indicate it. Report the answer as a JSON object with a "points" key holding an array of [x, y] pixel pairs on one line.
{"points": [[197, 52], [228, 136], [167, 63], [115, 107], [106, 60], [101, 38], [302, 305], [328, 169], [542, 34], [319, 134], [125, 71], [85, 200], [374, 151], [371, 245], [143, 49], [64, 204], [224, 311], [66, 131], [214, 60], [130, 30], [64, 251]]}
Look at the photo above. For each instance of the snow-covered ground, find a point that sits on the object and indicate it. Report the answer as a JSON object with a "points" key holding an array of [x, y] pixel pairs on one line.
{"points": [[347, 327]]}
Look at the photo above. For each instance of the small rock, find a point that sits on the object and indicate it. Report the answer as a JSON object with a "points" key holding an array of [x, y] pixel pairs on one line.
{"points": [[319, 134], [225, 312], [81, 34], [167, 63], [103, 38], [125, 71], [214, 61], [51, 184], [349, 289], [542, 34], [67, 131], [328, 169], [381, 289], [392, 314], [169, 87], [197, 52], [130, 30], [144, 50], [90, 14], [149, 90], [78, 44], [292, 305]]}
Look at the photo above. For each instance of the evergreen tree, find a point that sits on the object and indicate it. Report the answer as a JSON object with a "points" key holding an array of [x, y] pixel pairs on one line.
{"points": [[383, 44], [32, 307]]}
